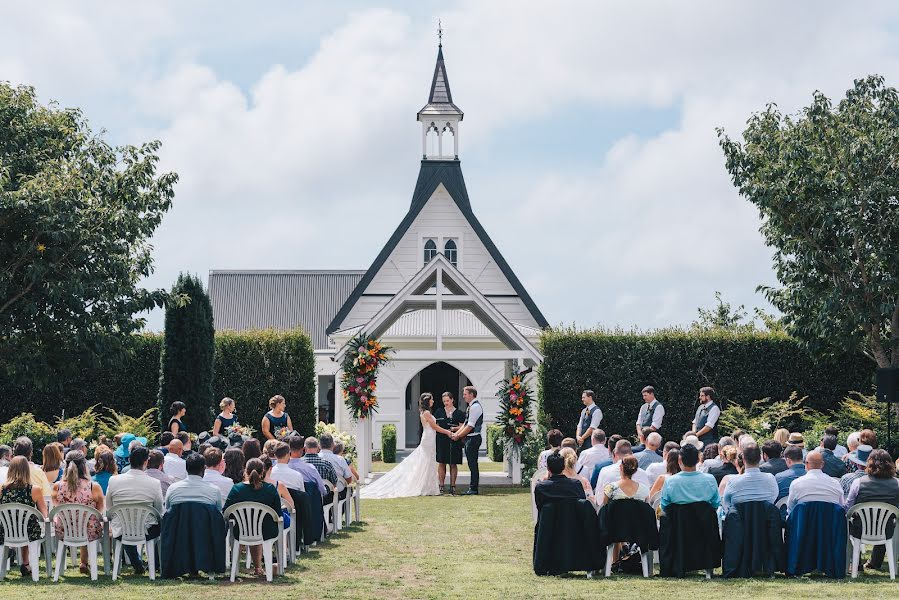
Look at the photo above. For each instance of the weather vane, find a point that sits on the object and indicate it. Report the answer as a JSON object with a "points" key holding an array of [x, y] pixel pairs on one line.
{"points": [[439, 32]]}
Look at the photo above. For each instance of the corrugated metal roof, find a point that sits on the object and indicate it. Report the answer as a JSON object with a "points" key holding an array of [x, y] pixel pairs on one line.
{"points": [[456, 323], [243, 300]]}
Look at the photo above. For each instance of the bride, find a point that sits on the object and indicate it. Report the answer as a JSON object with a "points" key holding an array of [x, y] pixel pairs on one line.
{"points": [[417, 474]]}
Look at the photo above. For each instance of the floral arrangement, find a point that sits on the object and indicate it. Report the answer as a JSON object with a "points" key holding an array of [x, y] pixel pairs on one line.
{"points": [[348, 440], [360, 372], [282, 433], [515, 411], [241, 430]]}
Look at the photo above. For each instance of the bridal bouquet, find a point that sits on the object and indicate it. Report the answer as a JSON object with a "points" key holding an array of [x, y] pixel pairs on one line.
{"points": [[515, 411], [360, 373]]}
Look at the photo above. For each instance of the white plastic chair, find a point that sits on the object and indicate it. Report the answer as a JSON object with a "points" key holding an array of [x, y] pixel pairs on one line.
{"points": [[357, 501], [249, 517], [873, 518], [74, 519], [14, 518], [331, 510], [343, 507], [539, 475], [644, 561], [134, 520], [290, 537]]}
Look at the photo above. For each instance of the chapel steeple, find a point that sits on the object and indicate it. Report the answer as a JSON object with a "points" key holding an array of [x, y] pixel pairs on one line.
{"points": [[440, 118]]}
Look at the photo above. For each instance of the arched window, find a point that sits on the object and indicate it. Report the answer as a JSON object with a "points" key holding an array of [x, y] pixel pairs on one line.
{"points": [[430, 250], [451, 252]]}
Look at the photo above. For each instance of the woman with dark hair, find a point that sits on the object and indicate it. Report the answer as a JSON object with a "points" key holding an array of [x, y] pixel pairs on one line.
{"points": [[254, 488], [626, 488], [76, 487], [234, 464], [554, 438], [18, 488], [276, 422], [176, 411], [672, 467], [251, 449], [417, 474], [879, 484], [105, 467]]}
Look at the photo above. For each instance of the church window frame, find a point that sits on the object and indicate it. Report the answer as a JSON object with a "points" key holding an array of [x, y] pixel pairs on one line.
{"points": [[429, 250], [451, 251]]}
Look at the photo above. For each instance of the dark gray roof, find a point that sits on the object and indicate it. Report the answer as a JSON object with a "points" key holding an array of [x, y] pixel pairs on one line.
{"points": [[243, 300], [440, 99], [432, 174]]}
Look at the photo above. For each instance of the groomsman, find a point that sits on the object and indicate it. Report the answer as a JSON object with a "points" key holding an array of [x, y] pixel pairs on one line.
{"points": [[591, 417], [651, 413], [705, 423]]}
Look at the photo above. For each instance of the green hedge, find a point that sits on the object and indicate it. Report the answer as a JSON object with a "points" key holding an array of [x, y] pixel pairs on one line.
{"points": [[388, 443], [249, 367], [495, 443], [741, 368]]}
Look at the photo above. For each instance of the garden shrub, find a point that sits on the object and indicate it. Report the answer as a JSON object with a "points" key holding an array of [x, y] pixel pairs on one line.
{"points": [[25, 424], [495, 443], [388, 443]]}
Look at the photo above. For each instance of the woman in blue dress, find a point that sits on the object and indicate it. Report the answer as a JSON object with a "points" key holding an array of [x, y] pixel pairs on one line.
{"points": [[276, 419], [224, 419], [176, 412]]}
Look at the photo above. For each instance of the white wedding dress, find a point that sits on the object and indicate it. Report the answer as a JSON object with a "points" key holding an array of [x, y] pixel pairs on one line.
{"points": [[416, 475]]}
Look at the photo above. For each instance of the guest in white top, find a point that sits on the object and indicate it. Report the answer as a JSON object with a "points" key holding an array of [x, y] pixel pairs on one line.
{"points": [[594, 455], [134, 486], [215, 466], [283, 473], [175, 466], [344, 475], [612, 473], [554, 438], [651, 411], [655, 470], [815, 485]]}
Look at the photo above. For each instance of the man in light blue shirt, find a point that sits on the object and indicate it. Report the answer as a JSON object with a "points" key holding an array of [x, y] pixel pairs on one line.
{"points": [[689, 486], [194, 489], [752, 485]]}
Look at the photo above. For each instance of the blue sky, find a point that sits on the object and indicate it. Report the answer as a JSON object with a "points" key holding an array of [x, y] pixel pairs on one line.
{"points": [[588, 144]]}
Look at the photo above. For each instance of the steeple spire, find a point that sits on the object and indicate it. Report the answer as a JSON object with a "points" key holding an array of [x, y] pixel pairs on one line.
{"points": [[440, 116]]}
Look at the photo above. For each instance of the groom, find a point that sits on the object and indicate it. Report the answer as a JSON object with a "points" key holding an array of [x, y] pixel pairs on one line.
{"points": [[471, 432]]}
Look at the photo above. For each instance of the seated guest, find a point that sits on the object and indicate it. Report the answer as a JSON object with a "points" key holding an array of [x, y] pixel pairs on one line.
{"points": [[254, 488], [554, 440], [839, 451], [309, 473], [655, 470], [165, 438], [650, 454], [773, 464], [689, 485], [186, 443], [78, 444], [134, 486], [268, 448], [193, 488], [76, 487], [215, 467], [324, 468], [23, 447], [251, 449], [815, 485], [710, 457], [625, 488], [833, 466], [282, 489], [852, 443], [611, 442], [672, 467], [235, 464], [64, 439], [752, 486], [736, 434], [879, 484], [557, 487], [340, 450], [728, 464], [569, 443], [781, 436], [570, 457], [856, 463], [344, 475], [5, 456], [155, 471], [642, 434], [175, 466], [867, 437], [795, 469], [613, 472], [105, 466], [52, 463], [281, 471], [796, 439], [17, 488], [121, 453], [596, 454]]}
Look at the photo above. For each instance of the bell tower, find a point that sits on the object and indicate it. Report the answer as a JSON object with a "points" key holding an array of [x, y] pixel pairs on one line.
{"points": [[440, 118]]}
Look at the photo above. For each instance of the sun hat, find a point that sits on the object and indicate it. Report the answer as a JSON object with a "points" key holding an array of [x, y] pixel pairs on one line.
{"points": [[122, 451], [861, 455], [217, 441], [693, 441], [796, 438]]}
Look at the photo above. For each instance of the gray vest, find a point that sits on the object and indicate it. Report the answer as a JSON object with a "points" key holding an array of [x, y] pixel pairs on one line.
{"points": [[477, 424], [702, 415], [647, 419], [586, 417]]}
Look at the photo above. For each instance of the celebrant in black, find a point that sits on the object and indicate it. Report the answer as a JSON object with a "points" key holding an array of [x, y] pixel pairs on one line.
{"points": [[449, 453]]}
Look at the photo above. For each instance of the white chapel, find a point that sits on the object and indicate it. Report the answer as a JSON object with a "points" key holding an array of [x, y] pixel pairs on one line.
{"points": [[439, 292]]}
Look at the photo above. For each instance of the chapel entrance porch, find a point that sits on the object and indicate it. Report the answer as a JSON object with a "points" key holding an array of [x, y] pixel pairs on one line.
{"points": [[436, 378]]}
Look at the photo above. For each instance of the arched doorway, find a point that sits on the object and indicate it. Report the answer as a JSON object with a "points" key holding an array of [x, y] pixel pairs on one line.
{"points": [[436, 378]]}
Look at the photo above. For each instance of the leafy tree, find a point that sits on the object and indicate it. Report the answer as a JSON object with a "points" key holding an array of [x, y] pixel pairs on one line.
{"points": [[825, 182], [76, 216], [723, 316], [188, 355]]}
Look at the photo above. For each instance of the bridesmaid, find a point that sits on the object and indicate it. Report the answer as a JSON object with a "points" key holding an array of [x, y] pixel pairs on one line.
{"points": [[225, 419], [176, 411], [276, 418]]}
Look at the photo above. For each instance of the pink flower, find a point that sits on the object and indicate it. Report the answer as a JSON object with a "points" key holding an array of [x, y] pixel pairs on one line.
{"points": [[363, 398], [513, 397], [359, 380]]}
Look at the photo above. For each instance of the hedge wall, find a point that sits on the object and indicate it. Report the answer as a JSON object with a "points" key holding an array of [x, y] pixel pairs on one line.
{"points": [[741, 368], [250, 367]]}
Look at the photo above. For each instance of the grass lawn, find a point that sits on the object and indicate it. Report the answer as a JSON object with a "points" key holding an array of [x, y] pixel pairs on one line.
{"points": [[442, 547], [485, 467]]}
